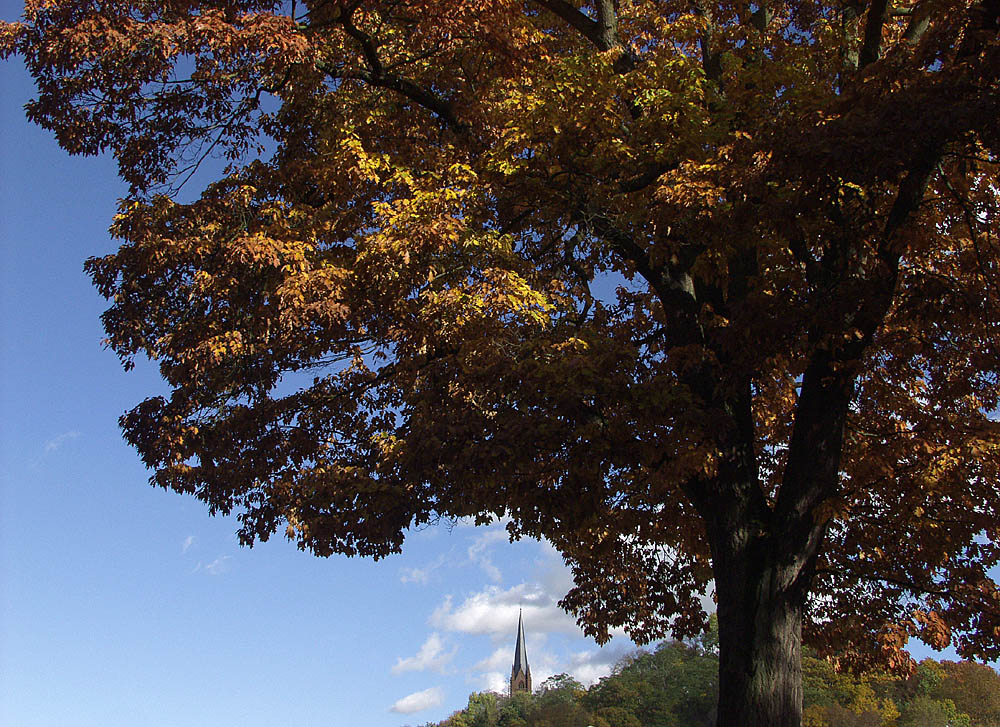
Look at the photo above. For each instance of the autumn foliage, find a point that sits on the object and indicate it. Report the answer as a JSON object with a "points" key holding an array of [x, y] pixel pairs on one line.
{"points": [[704, 293]]}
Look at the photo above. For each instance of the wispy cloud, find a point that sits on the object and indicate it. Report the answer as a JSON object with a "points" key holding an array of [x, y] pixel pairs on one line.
{"points": [[419, 701], [479, 552], [589, 666], [56, 442], [188, 542], [431, 656], [217, 567], [420, 575]]}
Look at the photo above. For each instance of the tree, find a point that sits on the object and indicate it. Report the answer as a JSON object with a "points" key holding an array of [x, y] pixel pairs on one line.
{"points": [[704, 293], [675, 685], [616, 717], [514, 710], [560, 688], [557, 702], [840, 698], [974, 689], [481, 711], [926, 712], [667, 688]]}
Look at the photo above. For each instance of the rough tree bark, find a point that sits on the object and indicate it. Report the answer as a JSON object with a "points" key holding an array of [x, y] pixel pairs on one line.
{"points": [[760, 633]]}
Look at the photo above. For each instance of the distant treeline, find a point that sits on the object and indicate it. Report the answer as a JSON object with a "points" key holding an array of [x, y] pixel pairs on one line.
{"points": [[676, 685]]}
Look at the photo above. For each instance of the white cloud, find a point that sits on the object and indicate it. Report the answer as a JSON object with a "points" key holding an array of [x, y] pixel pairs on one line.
{"points": [[217, 567], [479, 554], [589, 666], [554, 575], [420, 575], [499, 659], [188, 542], [419, 701], [494, 611], [494, 681], [430, 656], [555, 643], [414, 575], [56, 442], [493, 672]]}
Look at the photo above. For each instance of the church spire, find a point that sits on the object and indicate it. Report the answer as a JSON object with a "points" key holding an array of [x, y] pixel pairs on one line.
{"points": [[520, 674]]}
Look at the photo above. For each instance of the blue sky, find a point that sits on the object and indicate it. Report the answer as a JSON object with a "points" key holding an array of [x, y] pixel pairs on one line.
{"points": [[121, 604]]}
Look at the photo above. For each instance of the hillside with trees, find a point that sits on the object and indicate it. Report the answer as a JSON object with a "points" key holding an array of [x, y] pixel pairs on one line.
{"points": [[676, 685]]}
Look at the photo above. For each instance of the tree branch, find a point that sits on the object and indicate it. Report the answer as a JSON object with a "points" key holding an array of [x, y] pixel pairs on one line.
{"points": [[643, 179], [592, 30], [711, 60], [871, 47], [603, 32], [377, 75], [607, 24], [761, 17], [908, 197], [674, 288], [812, 473]]}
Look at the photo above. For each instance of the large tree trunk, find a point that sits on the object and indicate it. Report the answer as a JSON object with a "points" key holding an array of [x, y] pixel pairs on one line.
{"points": [[760, 633], [763, 552], [761, 564]]}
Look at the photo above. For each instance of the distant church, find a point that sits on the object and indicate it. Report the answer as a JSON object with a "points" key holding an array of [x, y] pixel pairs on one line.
{"points": [[520, 674]]}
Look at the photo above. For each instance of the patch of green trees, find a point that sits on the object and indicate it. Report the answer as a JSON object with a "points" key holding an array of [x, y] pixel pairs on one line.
{"points": [[676, 685]]}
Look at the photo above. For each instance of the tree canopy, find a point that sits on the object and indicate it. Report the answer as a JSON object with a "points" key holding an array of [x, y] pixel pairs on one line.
{"points": [[705, 293]]}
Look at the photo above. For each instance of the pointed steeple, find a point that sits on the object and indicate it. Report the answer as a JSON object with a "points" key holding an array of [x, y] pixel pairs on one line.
{"points": [[520, 674]]}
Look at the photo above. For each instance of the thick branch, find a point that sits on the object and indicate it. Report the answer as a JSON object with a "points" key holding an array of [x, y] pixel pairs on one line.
{"points": [[602, 32], [643, 179], [711, 59], [762, 17], [673, 287], [812, 473], [920, 21], [439, 106], [908, 198], [848, 25], [607, 24], [871, 48]]}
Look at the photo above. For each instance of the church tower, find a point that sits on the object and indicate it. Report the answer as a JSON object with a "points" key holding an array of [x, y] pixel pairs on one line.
{"points": [[520, 674]]}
